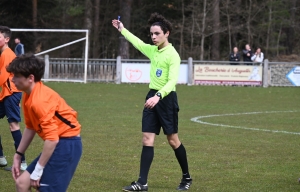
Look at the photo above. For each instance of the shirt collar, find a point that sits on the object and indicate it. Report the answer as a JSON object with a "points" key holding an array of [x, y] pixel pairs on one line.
{"points": [[165, 48]]}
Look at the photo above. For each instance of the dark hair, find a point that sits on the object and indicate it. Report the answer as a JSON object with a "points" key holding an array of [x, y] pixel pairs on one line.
{"points": [[26, 65], [159, 20], [18, 38], [5, 31]]}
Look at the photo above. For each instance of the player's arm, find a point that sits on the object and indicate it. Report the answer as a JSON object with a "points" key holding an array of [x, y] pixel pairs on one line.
{"points": [[47, 152], [146, 49], [44, 110], [3, 73], [49, 128], [27, 137], [173, 76]]}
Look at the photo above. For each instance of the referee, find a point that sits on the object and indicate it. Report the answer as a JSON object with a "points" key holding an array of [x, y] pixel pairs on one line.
{"points": [[161, 107]]}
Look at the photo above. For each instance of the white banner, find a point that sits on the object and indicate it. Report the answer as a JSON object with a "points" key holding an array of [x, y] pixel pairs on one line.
{"points": [[140, 73], [227, 75], [294, 76]]}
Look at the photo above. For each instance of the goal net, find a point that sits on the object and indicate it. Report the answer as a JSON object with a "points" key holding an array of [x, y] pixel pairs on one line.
{"points": [[67, 70]]}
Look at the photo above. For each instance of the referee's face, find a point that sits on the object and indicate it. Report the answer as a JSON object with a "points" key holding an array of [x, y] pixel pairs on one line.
{"points": [[157, 35]]}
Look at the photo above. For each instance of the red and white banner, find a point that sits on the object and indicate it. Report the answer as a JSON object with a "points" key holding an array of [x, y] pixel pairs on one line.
{"points": [[140, 73]]}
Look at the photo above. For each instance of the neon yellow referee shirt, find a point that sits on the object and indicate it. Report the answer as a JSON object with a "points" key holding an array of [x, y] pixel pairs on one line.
{"points": [[165, 64]]}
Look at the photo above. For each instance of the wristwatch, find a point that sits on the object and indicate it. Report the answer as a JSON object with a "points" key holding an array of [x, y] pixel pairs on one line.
{"points": [[158, 94]]}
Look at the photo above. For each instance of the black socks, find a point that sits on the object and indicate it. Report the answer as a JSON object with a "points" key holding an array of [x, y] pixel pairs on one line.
{"points": [[180, 153], [146, 160]]}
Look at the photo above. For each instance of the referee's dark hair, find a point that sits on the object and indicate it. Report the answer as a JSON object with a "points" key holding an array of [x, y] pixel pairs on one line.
{"points": [[159, 20], [26, 65]]}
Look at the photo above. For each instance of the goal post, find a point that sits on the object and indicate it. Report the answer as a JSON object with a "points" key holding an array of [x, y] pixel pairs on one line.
{"points": [[86, 50]]}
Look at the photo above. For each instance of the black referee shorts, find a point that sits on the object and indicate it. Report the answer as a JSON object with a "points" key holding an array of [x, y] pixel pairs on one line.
{"points": [[164, 114]]}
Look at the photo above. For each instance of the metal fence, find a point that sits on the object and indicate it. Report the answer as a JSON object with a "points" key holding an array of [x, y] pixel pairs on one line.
{"points": [[97, 69], [109, 70]]}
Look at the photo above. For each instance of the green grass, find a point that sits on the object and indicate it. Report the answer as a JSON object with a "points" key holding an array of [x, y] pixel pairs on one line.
{"points": [[220, 158]]}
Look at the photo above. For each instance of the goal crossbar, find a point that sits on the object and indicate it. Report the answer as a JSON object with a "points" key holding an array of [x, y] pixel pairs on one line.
{"points": [[86, 38]]}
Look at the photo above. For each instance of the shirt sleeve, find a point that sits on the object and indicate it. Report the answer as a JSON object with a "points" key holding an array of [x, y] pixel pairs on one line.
{"points": [[27, 121], [253, 57], [146, 49], [173, 76], [4, 61], [45, 112]]}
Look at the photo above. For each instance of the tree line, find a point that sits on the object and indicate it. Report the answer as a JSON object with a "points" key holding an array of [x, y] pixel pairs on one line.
{"points": [[203, 29]]}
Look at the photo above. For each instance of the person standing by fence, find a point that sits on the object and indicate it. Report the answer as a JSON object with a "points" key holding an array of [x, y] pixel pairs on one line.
{"points": [[247, 54], [19, 49], [258, 57], [234, 57], [161, 107]]}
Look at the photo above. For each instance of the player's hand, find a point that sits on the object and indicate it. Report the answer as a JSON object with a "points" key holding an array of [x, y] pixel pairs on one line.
{"points": [[15, 169], [35, 183], [118, 24], [248, 54], [151, 102]]}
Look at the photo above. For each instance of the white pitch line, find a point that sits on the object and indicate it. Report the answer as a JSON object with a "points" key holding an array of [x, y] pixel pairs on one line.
{"points": [[197, 120]]}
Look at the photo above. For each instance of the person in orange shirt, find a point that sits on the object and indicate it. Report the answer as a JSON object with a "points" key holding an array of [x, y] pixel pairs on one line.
{"points": [[9, 96], [48, 115]]}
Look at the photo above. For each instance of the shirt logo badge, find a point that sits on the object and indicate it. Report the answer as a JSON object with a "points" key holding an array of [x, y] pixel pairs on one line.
{"points": [[158, 72]]}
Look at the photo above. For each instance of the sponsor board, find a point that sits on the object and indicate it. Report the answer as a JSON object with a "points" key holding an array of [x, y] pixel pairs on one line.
{"points": [[294, 76], [140, 73], [227, 75]]}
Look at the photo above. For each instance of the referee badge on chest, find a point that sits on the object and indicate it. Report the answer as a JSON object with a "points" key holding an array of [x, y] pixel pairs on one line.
{"points": [[158, 72]]}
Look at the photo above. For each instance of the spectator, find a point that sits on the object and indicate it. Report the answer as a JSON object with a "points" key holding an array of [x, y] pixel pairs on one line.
{"points": [[234, 57], [247, 54], [19, 49], [258, 57]]}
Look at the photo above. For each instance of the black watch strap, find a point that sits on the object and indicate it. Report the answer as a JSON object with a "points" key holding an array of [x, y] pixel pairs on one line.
{"points": [[158, 94]]}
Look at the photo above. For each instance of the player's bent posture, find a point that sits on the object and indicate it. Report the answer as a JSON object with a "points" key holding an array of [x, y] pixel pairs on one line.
{"points": [[48, 115], [161, 107], [10, 96]]}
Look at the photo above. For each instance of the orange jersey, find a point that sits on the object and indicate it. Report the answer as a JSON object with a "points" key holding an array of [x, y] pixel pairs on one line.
{"points": [[8, 87], [48, 114]]}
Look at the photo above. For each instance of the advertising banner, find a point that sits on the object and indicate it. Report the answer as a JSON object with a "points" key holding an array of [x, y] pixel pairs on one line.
{"points": [[140, 73], [294, 76], [227, 75]]}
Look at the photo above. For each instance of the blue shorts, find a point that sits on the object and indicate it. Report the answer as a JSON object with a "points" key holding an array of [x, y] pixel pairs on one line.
{"points": [[61, 166], [10, 107]]}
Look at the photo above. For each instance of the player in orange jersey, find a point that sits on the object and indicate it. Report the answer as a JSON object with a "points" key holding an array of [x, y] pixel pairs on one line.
{"points": [[9, 96], [48, 115]]}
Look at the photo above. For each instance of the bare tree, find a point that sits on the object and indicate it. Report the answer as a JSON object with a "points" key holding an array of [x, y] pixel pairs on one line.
{"points": [[249, 22], [193, 25], [96, 28], [269, 27], [125, 15], [228, 23], [181, 29], [202, 30], [216, 29], [88, 18], [34, 24], [291, 30]]}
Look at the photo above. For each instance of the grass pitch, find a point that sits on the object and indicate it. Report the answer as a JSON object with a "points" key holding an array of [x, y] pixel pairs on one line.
{"points": [[220, 158]]}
